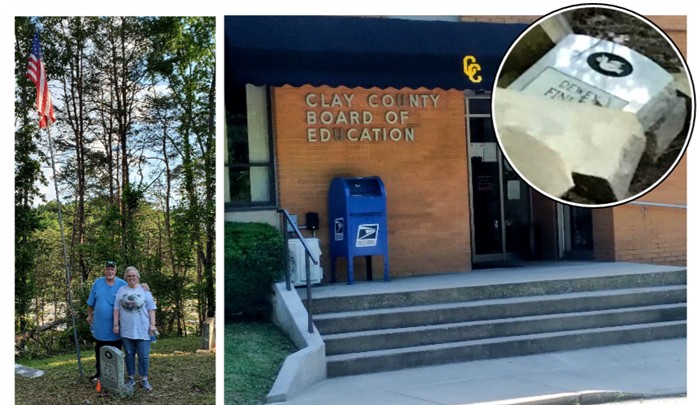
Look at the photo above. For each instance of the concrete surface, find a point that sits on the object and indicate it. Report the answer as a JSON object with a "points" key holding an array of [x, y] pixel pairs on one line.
{"points": [[304, 368], [656, 401], [529, 271], [598, 375]]}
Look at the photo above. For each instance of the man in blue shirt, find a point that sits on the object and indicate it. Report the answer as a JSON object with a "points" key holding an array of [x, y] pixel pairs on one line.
{"points": [[100, 311]]}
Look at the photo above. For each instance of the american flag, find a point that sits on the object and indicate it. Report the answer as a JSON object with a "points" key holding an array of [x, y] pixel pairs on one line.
{"points": [[37, 74]]}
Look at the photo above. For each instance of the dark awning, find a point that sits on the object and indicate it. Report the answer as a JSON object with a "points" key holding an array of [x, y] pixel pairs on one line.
{"points": [[362, 51]]}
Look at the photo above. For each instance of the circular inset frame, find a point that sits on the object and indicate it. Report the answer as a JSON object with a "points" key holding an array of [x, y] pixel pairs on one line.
{"points": [[593, 105]]}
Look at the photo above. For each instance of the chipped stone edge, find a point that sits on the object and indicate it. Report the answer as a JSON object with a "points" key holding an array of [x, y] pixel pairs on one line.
{"points": [[305, 367], [619, 185], [556, 27]]}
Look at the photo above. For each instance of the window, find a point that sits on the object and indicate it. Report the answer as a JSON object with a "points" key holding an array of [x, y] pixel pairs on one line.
{"points": [[248, 159]]}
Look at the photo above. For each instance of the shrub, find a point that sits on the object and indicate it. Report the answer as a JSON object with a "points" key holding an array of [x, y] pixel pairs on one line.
{"points": [[253, 261]]}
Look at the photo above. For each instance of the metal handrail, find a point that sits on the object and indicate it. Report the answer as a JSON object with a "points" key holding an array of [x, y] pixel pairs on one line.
{"points": [[296, 231], [286, 219], [653, 204]]}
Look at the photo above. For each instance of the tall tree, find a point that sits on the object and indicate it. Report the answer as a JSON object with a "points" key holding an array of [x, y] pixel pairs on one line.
{"points": [[124, 48], [187, 62], [77, 81]]}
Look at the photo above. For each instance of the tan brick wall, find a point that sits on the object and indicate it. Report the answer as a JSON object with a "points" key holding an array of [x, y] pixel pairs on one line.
{"points": [[507, 19], [673, 190], [650, 235], [673, 25], [676, 27], [425, 180]]}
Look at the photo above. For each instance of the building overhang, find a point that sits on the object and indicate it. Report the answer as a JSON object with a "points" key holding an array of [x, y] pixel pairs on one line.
{"points": [[364, 52]]}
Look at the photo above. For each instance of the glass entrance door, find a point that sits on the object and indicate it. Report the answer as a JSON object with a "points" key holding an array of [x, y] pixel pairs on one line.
{"points": [[499, 200], [575, 232]]}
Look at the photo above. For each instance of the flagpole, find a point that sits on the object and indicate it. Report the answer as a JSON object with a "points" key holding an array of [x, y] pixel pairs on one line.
{"points": [[69, 290], [37, 74]]}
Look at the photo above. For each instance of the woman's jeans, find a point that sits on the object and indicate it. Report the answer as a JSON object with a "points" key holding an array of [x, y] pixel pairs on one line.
{"points": [[134, 347]]}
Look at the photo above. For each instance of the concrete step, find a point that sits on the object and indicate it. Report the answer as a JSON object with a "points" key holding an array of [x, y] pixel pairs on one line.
{"points": [[415, 356], [436, 314], [382, 339], [488, 290]]}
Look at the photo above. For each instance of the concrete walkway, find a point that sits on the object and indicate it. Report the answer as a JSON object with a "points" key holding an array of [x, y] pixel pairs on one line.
{"points": [[588, 376]]}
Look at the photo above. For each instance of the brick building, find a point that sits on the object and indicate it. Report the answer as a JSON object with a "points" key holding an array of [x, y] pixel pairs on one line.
{"points": [[298, 116]]}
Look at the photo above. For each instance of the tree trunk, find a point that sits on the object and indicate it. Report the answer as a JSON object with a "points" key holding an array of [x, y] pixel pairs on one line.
{"points": [[210, 218], [22, 337]]}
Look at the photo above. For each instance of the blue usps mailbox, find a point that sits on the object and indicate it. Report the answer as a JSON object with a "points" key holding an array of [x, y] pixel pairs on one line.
{"points": [[357, 221]]}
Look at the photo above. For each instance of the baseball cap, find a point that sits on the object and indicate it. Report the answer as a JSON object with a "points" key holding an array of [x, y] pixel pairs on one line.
{"points": [[111, 263]]}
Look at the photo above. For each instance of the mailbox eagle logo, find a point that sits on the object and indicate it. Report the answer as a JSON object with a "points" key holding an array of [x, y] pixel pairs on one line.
{"points": [[339, 228], [367, 235], [609, 64]]}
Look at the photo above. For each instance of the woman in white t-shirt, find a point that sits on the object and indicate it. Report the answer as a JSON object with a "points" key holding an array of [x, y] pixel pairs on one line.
{"points": [[135, 322]]}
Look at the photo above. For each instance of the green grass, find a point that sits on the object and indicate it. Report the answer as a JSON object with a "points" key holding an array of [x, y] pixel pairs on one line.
{"points": [[254, 353], [178, 374]]}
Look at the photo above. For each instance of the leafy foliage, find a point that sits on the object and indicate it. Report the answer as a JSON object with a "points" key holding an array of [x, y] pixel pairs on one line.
{"points": [[253, 260]]}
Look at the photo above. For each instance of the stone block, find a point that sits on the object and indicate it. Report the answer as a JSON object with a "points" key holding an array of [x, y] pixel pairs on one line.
{"points": [[548, 172], [209, 334], [28, 372], [599, 148], [590, 70], [665, 130]]}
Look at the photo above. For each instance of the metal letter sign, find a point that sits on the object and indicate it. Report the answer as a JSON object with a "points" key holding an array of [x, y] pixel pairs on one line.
{"points": [[339, 228], [472, 69], [367, 235]]}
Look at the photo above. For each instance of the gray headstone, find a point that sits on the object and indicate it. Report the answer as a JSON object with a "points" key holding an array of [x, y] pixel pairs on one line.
{"points": [[584, 69], [112, 370], [209, 334], [591, 70]]}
